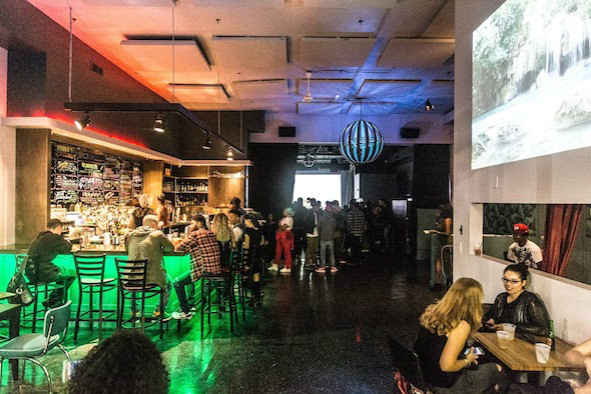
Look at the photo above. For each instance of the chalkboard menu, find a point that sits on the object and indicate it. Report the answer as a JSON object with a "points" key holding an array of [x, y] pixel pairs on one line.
{"points": [[91, 177]]}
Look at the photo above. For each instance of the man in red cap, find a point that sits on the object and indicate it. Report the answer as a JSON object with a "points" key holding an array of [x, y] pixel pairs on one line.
{"points": [[524, 251]]}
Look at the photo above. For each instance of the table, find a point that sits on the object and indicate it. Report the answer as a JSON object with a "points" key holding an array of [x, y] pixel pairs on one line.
{"points": [[521, 354], [12, 312]]}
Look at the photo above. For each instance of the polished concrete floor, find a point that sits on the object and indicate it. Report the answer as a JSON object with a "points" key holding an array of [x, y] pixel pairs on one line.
{"points": [[315, 333]]}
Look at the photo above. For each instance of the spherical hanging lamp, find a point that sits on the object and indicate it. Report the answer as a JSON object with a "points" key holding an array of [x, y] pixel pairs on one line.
{"points": [[361, 142]]}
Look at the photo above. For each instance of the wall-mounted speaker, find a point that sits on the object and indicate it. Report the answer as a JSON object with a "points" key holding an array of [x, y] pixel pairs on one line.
{"points": [[287, 131], [410, 132]]}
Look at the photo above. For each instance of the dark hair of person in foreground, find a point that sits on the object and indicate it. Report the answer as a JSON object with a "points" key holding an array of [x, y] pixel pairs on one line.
{"points": [[126, 363]]}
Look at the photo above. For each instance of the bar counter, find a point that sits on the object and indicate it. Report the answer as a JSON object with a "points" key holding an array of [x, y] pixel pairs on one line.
{"points": [[175, 264]]}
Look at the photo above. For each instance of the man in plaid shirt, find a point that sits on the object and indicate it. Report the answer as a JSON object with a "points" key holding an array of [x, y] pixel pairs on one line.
{"points": [[203, 247]]}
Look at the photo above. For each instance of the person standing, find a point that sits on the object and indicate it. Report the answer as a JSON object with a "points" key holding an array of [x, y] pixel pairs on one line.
{"points": [[162, 212], [203, 247], [138, 213], [355, 229], [299, 235], [40, 268], [311, 228], [253, 245], [284, 242], [327, 228], [147, 242], [524, 251]]}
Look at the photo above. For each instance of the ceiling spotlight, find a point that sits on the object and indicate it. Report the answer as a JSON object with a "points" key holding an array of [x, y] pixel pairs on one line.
{"points": [[159, 123], [230, 154], [429, 106], [207, 144], [83, 122]]}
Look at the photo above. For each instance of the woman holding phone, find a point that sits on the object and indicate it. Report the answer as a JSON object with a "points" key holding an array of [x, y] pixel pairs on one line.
{"points": [[445, 358]]}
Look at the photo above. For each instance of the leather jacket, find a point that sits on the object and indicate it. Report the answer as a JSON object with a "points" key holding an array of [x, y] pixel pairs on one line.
{"points": [[530, 315]]}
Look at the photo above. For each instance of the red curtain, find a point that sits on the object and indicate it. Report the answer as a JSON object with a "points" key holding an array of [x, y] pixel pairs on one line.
{"points": [[562, 225]]}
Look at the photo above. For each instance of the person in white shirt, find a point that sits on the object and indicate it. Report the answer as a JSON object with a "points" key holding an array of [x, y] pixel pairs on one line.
{"points": [[284, 237], [524, 251]]}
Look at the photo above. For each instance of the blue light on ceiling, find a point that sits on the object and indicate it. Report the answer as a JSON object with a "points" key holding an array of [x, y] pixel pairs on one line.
{"points": [[361, 142]]}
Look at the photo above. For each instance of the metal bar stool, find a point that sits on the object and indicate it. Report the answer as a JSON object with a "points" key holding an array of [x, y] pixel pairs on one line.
{"points": [[38, 288], [239, 273], [132, 284], [90, 270], [222, 286], [252, 260]]}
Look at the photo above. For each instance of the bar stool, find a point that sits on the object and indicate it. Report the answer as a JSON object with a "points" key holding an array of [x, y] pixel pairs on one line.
{"points": [[38, 289], [90, 270], [239, 271], [254, 265], [132, 284], [222, 285]]}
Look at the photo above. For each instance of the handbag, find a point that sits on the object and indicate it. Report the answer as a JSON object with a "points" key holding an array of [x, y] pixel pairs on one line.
{"points": [[19, 286]]}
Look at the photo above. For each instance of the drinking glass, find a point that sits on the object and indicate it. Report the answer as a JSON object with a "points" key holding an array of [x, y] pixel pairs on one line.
{"points": [[503, 338], [510, 328], [542, 353]]}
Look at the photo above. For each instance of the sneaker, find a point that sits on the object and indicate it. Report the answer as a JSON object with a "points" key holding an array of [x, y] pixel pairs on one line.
{"points": [[137, 313], [285, 270], [320, 270], [182, 315], [156, 316], [333, 269], [274, 267], [310, 267]]}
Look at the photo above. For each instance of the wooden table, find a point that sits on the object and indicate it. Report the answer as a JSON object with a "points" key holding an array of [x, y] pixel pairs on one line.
{"points": [[12, 312], [521, 355]]}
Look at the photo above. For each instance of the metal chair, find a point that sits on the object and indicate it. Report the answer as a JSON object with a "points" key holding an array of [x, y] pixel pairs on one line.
{"points": [[30, 347], [222, 285], [38, 288], [132, 284], [407, 362], [91, 279]]}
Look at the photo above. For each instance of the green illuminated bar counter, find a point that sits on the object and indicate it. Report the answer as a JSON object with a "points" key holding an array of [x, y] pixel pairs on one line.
{"points": [[175, 264]]}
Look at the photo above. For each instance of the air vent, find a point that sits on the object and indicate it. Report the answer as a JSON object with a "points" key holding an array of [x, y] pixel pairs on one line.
{"points": [[96, 68]]}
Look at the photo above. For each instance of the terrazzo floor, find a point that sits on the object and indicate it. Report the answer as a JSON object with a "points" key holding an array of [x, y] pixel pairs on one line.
{"points": [[315, 333]]}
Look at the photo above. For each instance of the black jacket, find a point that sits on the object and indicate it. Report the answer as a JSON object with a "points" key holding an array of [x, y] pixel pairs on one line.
{"points": [[530, 315], [43, 250]]}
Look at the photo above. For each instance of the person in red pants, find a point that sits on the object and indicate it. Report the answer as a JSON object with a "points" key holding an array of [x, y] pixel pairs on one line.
{"points": [[284, 237]]}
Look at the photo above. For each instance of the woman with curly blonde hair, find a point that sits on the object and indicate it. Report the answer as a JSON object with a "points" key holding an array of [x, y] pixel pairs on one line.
{"points": [[445, 358], [223, 233]]}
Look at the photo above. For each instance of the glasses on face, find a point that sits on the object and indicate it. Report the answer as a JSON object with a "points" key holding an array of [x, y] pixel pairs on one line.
{"points": [[512, 281]]}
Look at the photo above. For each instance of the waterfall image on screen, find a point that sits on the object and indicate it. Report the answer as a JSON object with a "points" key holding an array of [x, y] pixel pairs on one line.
{"points": [[531, 87]]}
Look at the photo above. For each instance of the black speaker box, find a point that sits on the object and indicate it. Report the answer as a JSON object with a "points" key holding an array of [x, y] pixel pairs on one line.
{"points": [[285, 131], [410, 132]]}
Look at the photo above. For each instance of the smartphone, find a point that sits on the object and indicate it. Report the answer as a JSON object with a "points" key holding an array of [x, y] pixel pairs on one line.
{"points": [[68, 369], [477, 351]]}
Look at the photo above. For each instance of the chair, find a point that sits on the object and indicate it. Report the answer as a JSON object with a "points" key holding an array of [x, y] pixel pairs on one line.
{"points": [[407, 362], [239, 276], [90, 270], [30, 347], [132, 276], [38, 289], [253, 263], [223, 286]]}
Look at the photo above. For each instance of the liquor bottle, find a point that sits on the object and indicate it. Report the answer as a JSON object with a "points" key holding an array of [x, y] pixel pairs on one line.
{"points": [[552, 337]]}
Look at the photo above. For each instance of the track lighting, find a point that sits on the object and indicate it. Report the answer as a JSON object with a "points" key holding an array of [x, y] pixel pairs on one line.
{"points": [[230, 154], [207, 144], [83, 122], [429, 106], [159, 123]]}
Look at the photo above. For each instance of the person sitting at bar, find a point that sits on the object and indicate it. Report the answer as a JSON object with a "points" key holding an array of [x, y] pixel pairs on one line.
{"points": [[203, 247], [147, 242], [235, 205], [138, 213], [235, 219], [127, 362], [40, 268], [518, 306], [442, 347], [524, 251]]}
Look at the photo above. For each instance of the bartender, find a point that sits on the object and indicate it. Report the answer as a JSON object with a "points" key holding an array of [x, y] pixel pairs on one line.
{"points": [[524, 251]]}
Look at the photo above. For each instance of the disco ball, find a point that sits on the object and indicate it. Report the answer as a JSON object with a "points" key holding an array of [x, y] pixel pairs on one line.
{"points": [[361, 142]]}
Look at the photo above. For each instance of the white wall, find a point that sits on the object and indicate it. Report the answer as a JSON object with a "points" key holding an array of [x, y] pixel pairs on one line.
{"points": [[327, 129], [7, 162], [560, 178]]}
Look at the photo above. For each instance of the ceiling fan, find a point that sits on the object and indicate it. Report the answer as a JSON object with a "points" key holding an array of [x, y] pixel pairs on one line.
{"points": [[308, 97]]}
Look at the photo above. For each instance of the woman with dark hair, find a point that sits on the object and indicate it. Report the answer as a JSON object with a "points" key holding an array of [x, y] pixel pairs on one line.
{"points": [[253, 249], [442, 347], [162, 211], [126, 363], [518, 306]]}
